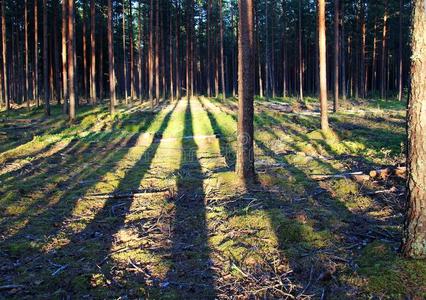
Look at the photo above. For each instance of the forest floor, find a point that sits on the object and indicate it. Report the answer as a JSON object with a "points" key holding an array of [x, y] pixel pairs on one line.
{"points": [[146, 204]]}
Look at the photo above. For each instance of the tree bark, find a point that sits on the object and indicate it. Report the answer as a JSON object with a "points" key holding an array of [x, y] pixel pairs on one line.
{"points": [[323, 65], [300, 52], [384, 60], [64, 56], [245, 150], [26, 99], [4, 54], [400, 65], [111, 60], [93, 52], [71, 62], [132, 59], [124, 53], [336, 54], [222, 54], [45, 62], [414, 242]]}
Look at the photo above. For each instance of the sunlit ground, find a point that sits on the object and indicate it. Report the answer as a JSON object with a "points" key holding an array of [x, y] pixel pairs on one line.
{"points": [[146, 204]]}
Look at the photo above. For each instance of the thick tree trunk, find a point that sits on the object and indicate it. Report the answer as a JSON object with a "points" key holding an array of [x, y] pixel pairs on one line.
{"points": [[93, 52], [111, 71], [71, 62], [323, 65], [414, 243], [245, 151]]}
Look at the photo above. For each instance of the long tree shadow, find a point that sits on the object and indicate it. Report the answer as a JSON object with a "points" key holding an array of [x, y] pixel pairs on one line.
{"points": [[192, 275], [48, 223], [109, 220]]}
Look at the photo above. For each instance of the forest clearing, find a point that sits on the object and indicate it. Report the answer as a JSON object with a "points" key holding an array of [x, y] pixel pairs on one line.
{"points": [[145, 204], [219, 149]]}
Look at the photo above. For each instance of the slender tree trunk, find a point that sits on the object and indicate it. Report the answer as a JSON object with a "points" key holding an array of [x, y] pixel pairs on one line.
{"points": [[171, 59], [414, 242], [101, 62], [384, 60], [246, 44], [222, 54], [64, 56], [140, 54], [374, 60], [323, 65], [36, 81], [300, 52], [151, 74], [45, 62], [4, 54], [284, 49], [177, 35], [112, 82], [132, 59], [343, 52], [124, 53], [71, 62], [26, 99], [267, 63], [56, 54], [157, 51], [84, 42], [93, 52], [400, 69], [336, 55], [209, 64], [363, 41]]}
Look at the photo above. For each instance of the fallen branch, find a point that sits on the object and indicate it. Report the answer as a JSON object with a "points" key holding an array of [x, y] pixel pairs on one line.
{"points": [[389, 171], [358, 176], [129, 195]]}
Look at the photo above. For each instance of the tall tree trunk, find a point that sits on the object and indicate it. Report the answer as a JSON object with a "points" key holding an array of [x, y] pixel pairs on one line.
{"points": [[84, 52], [222, 53], [246, 44], [384, 60], [374, 60], [267, 63], [414, 242], [284, 49], [45, 62], [323, 65], [151, 74], [140, 53], [124, 53], [300, 52], [56, 53], [4, 53], [343, 53], [400, 79], [112, 82], [36, 80], [177, 35], [171, 59], [132, 59], [363, 41], [157, 51], [209, 56], [93, 52], [101, 76], [71, 62], [26, 99], [64, 56], [336, 55]]}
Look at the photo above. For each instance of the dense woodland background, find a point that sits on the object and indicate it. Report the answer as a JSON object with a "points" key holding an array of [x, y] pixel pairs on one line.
{"points": [[157, 42]]}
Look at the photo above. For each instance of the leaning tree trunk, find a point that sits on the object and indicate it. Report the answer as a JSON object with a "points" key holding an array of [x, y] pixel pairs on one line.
{"points": [[323, 64], [245, 152], [414, 243]]}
